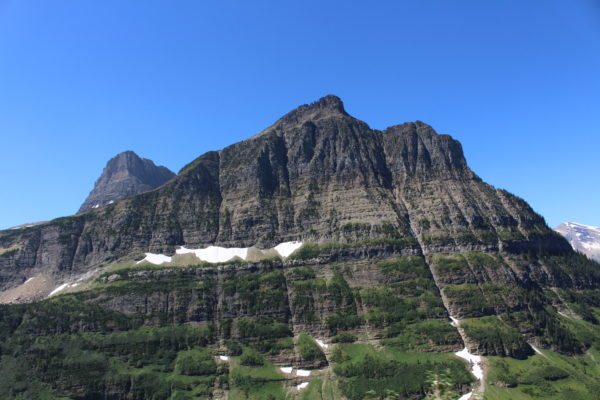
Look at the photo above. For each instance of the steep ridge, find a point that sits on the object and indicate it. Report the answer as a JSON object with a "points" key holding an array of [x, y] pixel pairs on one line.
{"points": [[125, 175]]}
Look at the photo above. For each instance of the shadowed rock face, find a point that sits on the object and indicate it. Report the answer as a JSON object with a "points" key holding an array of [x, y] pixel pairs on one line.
{"points": [[317, 174], [125, 175]]}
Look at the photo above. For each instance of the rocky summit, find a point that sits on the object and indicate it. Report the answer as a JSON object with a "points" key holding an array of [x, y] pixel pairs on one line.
{"points": [[318, 259], [125, 175]]}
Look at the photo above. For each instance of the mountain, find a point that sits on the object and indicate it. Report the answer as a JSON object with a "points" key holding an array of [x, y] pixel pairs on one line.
{"points": [[362, 260], [125, 175], [584, 238]]}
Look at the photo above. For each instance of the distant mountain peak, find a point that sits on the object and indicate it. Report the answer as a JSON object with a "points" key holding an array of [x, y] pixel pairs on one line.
{"points": [[583, 238], [125, 175]]}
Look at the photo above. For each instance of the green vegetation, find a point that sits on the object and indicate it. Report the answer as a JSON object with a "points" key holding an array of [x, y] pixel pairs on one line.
{"points": [[408, 307], [75, 346], [322, 388], [427, 335], [310, 294], [315, 250], [547, 376], [309, 350], [364, 371], [343, 337], [258, 293], [195, 362], [441, 386], [469, 298], [496, 337], [9, 251], [251, 358], [405, 268], [255, 382], [452, 267], [152, 363], [265, 334]]}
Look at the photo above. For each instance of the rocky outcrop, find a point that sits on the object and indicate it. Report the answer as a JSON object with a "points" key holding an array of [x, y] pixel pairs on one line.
{"points": [[317, 174], [125, 175]]}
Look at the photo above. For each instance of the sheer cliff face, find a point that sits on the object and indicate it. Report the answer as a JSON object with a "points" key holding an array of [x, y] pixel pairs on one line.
{"points": [[317, 174], [125, 175]]}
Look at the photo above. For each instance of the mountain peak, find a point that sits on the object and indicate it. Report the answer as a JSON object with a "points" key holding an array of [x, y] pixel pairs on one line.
{"points": [[583, 238], [125, 175], [327, 106], [329, 102]]}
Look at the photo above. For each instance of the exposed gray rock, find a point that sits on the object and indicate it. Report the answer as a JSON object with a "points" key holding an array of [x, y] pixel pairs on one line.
{"points": [[317, 174], [125, 175]]}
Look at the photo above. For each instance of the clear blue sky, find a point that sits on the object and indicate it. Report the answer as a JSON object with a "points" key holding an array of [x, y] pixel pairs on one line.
{"points": [[517, 82]]}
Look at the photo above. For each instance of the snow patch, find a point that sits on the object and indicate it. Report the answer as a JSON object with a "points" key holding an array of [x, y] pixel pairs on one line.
{"points": [[466, 396], [475, 361], [476, 368], [286, 370], [302, 372], [28, 280], [96, 206], [287, 248], [63, 287], [224, 358], [321, 343], [155, 259], [216, 254], [58, 289], [301, 386], [538, 351], [578, 225], [454, 322], [591, 246]]}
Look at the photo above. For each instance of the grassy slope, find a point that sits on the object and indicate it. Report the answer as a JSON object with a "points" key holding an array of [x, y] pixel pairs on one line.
{"points": [[551, 376]]}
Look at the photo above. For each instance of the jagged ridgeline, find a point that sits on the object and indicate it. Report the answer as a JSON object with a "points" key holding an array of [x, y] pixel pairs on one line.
{"points": [[398, 237]]}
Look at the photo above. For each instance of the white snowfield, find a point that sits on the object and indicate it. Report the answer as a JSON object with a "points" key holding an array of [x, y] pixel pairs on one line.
{"points": [[285, 249], [578, 225], [68, 285], [63, 287], [216, 254], [301, 385], [286, 370], [466, 396], [538, 351], [156, 259], [321, 343], [583, 238], [475, 361], [302, 372], [476, 368], [224, 358]]}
